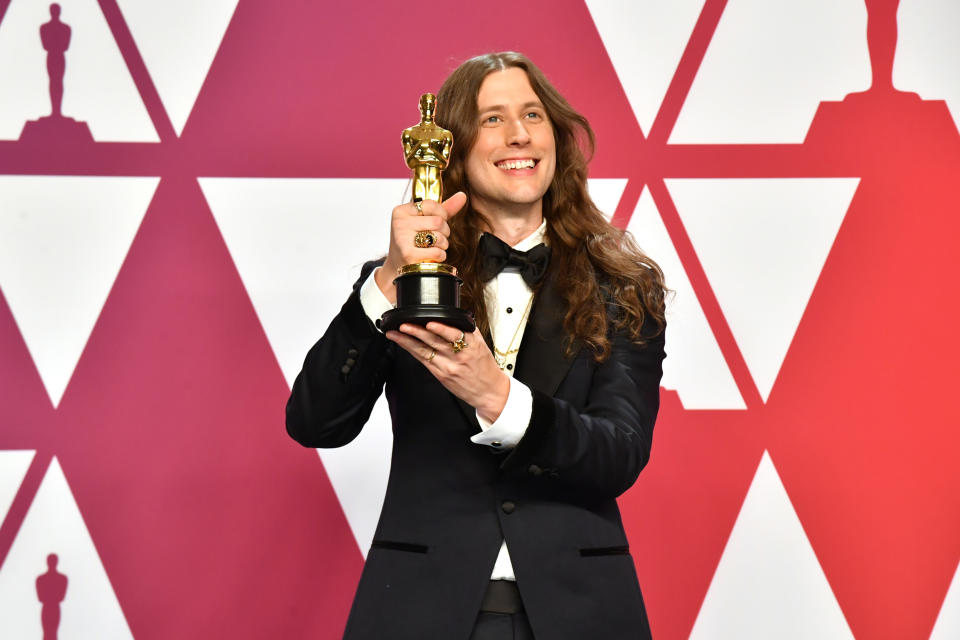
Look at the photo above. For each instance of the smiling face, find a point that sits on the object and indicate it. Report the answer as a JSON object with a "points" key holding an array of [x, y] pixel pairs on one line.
{"points": [[512, 162]]}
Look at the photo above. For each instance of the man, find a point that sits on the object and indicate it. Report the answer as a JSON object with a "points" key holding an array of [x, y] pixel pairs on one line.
{"points": [[500, 518]]}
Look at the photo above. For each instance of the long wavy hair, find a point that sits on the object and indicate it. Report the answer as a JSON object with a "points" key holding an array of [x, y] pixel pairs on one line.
{"points": [[597, 268]]}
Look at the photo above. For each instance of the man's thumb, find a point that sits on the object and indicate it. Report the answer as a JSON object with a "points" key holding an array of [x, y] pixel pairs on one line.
{"points": [[454, 203]]}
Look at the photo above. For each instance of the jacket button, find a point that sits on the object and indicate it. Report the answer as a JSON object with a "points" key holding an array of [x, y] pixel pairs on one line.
{"points": [[345, 369], [535, 470], [353, 353], [508, 506], [350, 362]]}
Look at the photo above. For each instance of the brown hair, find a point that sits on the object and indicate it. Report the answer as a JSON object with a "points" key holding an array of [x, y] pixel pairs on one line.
{"points": [[596, 267]]}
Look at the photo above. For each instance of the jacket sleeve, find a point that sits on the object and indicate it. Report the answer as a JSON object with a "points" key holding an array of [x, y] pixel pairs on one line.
{"points": [[341, 379], [597, 451]]}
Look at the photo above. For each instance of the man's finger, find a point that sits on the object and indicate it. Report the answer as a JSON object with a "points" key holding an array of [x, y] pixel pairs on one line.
{"points": [[425, 222], [426, 336], [419, 350], [446, 332], [409, 343]]}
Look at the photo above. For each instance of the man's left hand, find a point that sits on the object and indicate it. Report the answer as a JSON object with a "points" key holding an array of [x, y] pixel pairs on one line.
{"points": [[470, 374]]}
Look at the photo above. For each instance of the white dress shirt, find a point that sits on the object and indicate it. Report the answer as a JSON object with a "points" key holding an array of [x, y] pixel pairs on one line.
{"points": [[509, 301]]}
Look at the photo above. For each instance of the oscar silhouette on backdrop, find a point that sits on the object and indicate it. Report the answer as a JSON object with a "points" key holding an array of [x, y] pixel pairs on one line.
{"points": [[51, 590], [55, 128], [55, 36], [882, 114], [882, 43]]}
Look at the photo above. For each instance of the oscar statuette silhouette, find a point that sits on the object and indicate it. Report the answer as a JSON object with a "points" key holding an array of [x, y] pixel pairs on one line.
{"points": [[51, 591], [55, 129]]}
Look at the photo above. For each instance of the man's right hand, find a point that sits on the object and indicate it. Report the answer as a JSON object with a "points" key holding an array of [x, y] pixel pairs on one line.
{"points": [[405, 223]]}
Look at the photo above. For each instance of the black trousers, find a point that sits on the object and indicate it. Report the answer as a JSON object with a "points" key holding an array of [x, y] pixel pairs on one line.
{"points": [[502, 616]]}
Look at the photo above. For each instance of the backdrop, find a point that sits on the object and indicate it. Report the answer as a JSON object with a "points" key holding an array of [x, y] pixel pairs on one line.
{"points": [[182, 229]]}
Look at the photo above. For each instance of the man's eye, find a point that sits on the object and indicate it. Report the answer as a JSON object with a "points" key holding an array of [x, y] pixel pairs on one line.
{"points": [[491, 120], [533, 115]]}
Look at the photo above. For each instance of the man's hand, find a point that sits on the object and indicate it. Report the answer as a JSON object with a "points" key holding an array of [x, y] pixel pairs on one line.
{"points": [[472, 374], [405, 223]]}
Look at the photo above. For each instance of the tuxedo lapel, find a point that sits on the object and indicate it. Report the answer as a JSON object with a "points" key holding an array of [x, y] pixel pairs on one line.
{"points": [[541, 362], [469, 413]]}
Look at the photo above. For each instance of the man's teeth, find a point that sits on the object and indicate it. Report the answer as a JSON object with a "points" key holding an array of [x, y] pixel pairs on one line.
{"points": [[516, 164]]}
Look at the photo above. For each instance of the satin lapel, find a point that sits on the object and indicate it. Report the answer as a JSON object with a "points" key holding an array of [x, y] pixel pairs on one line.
{"points": [[541, 363], [469, 413]]}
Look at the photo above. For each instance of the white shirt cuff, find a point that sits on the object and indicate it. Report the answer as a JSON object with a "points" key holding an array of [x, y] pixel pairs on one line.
{"points": [[506, 431], [374, 303]]}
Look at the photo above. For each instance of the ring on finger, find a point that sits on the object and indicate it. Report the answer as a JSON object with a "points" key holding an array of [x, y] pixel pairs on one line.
{"points": [[424, 239], [433, 354], [419, 204], [459, 344]]}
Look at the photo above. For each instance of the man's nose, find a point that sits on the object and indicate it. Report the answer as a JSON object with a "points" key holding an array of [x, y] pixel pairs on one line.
{"points": [[517, 134]]}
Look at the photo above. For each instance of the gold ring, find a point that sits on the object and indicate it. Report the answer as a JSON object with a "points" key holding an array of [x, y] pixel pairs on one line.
{"points": [[419, 204], [459, 344], [433, 354], [424, 239]]}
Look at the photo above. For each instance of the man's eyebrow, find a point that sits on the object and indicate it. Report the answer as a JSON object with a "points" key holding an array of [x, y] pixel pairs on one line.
{"points": [[500, 107]]}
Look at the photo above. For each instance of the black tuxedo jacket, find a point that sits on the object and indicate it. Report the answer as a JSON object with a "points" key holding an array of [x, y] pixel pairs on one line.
{"points": [[450, 502]]}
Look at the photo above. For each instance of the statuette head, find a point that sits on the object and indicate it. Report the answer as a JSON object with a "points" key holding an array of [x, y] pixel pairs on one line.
{"points": [[428, 103]]}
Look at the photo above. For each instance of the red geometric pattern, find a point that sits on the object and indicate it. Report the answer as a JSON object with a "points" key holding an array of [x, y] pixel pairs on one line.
{"points": [[211, 523]]}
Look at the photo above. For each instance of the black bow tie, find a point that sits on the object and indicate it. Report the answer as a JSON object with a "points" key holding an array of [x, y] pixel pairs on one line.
{"points": [[497, 255]]}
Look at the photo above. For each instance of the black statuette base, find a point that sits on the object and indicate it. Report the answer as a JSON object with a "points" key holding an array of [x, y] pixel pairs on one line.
{"points": [[424, 297], [422, 314]]}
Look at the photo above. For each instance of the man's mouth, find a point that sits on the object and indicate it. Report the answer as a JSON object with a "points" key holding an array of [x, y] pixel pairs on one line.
{"points": [[526, 163]]}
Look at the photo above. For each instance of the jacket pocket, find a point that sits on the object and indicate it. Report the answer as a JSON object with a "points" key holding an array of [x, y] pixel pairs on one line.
{"points": [[399, 546], [593, 552]]}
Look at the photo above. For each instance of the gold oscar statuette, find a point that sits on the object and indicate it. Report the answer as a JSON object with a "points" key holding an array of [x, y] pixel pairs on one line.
{"points": [[427, 291]]}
